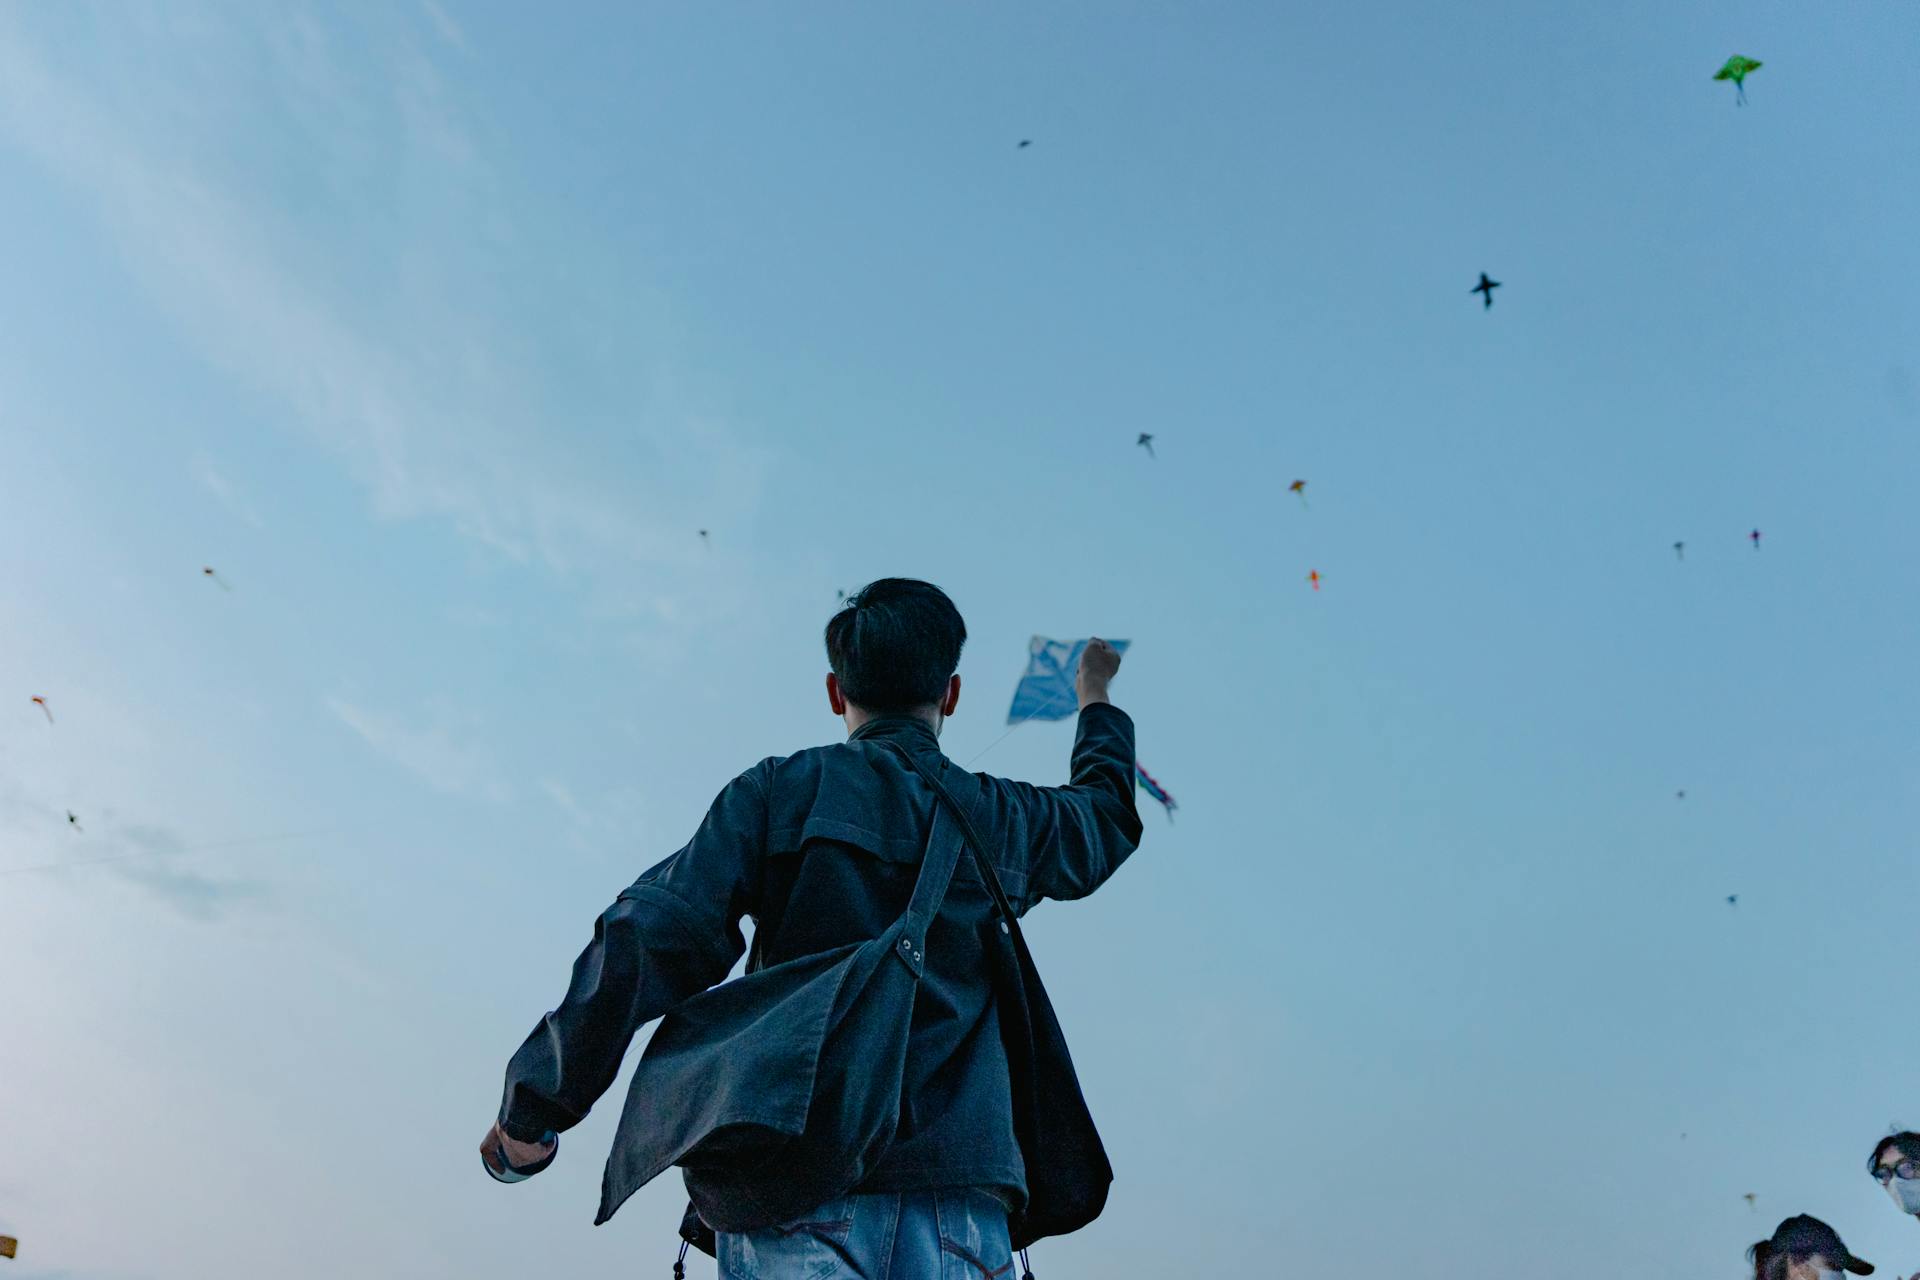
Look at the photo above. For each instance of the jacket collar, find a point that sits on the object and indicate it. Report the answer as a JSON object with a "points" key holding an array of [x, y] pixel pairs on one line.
{"points": [[909, 730]]}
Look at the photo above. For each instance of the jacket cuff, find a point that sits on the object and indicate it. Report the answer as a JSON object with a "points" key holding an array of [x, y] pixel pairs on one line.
{"points": [[528, 1118]]}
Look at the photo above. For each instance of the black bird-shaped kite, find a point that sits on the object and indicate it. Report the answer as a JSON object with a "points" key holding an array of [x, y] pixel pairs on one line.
{"points": [[704, 538], [1487, 287], [1146, 442], [1680, 550], [73, 821], [1755, 535]]}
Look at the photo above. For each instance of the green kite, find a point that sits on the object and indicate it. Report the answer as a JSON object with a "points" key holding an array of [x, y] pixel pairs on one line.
{"points": [[1736, 70]]}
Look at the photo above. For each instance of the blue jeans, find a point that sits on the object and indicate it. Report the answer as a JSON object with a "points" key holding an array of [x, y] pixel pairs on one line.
{"points": [[958, 1234]]}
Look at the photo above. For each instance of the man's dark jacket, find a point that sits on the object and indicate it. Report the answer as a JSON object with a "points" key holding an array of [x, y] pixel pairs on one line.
{"points": [[822, 848]]}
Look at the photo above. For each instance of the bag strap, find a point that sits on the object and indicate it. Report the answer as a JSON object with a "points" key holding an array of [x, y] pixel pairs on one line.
{"points": [[937, 864], [1008, 918]]}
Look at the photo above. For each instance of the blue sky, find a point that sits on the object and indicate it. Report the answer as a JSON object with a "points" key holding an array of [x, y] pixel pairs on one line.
{"points": [[440, 330]]}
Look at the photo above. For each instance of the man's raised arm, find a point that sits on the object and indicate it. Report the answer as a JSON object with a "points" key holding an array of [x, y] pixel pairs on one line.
{"points": [[1065, 841]]}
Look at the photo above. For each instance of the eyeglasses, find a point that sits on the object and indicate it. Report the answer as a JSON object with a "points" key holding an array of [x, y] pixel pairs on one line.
{"points": [[1905, 1169]]}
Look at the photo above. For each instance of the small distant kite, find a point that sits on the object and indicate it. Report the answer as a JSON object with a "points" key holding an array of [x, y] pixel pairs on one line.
{"points": [[1749, 1198], [1755, 535], [1155, 790], [704, 538], [1679, 795], [221, 582], [1486, 287], [843, 595], [1299, 487], [42, 704], [1733, 899], [1680, 550], [74, 822], [1146, 442], [9, 1247], [1024, 142], [1736, 70], [1314, 578]]}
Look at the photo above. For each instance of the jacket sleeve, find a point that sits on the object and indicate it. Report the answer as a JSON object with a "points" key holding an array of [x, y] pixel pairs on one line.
{"points": [[671, 934], [1074, 837]]}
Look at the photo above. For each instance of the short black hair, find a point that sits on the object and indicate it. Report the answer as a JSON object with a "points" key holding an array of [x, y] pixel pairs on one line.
{"points": [[1906, 1141], [895, 645]]}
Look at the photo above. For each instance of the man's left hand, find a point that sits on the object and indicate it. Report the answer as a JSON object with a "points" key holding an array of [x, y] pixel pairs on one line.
{"points": [[506, 1157]]}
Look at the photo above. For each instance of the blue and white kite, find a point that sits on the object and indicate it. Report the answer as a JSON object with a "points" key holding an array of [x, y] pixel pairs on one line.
{"points": [[1046, 692]]}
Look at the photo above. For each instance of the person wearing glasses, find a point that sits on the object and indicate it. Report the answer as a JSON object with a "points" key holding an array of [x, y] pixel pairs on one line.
{"points": [[1804, 1248], [1895, 1165]]}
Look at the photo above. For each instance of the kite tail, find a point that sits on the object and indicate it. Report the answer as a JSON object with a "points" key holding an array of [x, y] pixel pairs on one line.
{"points": [[1155, 790]]}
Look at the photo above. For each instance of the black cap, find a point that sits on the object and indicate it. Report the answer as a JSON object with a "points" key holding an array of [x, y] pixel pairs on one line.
{"points": [[1806, 1235]]}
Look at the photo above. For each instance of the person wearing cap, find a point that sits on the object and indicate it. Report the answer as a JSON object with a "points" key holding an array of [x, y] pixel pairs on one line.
{"points": [[1804, 1248], [1895, 1165]]}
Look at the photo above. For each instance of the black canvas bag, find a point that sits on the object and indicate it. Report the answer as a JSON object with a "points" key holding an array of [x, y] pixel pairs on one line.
{"points": [[780, 1090], [1068, 1174]]}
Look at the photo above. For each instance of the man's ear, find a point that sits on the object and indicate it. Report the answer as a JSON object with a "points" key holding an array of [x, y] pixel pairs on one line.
{"points": [[835, 698], [952, 700]]}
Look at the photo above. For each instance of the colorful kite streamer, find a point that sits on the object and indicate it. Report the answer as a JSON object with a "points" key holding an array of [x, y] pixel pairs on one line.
{"points": [[1155, 790]]}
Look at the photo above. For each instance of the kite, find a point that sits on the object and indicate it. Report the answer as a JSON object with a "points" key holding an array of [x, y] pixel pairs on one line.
{"points": [[1155, 790], [1487, 287], [1750, 1202], [1146, 442], [43, 706], [208, 572], [1755, 535], [1299, 487], [1046, 691], [1736, 70], [9, 1247], [1679, 795], [1733, 899], [73, 821], [1314, 578], [705, 539], [1024, 142], [1680, 550]]}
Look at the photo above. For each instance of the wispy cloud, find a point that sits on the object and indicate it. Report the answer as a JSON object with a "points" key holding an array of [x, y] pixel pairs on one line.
{"points": [[135, 853], [425, 399], [557, 792], [444, 23], [196, 896], [220, 487], [431, 752]]}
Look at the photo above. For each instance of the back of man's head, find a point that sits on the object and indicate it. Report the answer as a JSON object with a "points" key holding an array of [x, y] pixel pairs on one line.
{"points": [[895, 645]]}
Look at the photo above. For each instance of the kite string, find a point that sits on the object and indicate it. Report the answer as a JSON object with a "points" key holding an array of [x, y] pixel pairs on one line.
{"points": [[162, 853], [1045, 706]]}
